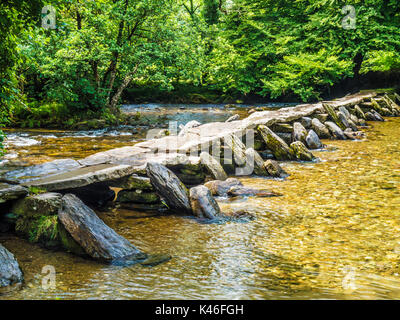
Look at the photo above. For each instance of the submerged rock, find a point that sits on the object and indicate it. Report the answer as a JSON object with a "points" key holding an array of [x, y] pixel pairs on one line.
{"points": [[274, 169], [278, 147], [155, 259], [335, 130], [299, 132], [248, 192], [301, 152], [221, 188], [320, 129], [97, 239], [313, 141], [10, 272], [168, 185], [213, 166], [354, 135], [11, 192], [203, 203]]}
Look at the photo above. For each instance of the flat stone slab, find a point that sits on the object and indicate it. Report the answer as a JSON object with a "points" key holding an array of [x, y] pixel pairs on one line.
{"points": [[11, 192], [40, 170], [97, 239], [168, 151], [83, 177]]}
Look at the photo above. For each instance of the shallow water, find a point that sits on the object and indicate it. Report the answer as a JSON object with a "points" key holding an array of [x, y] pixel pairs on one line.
{"points": [[334, 234]]}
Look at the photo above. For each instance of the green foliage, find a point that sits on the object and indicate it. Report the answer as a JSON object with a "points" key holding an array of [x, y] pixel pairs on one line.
{"points": [[196, 50]]}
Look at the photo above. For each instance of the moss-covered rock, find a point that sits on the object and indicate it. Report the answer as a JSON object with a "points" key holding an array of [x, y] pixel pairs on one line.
{"points": [[41, 229], [282, 127], [278, 147], [333, 116], [46, 204], [137, 196], [301, 152], [358, 112], [135, 182]]}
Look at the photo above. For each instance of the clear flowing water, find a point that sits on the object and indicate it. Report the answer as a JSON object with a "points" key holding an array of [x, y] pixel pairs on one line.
{"points": [[335, 233]]}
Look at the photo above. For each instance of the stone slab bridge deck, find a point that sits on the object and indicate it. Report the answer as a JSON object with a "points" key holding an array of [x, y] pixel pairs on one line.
{"points": [[170, 151]]}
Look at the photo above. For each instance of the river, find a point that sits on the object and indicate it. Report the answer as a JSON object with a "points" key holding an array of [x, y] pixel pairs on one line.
{"points": [[334, 234]]}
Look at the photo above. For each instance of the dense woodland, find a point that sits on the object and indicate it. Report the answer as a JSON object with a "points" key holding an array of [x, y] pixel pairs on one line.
{"points": [[105, 52]]}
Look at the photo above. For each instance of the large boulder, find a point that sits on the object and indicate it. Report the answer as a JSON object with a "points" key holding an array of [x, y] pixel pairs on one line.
{"points": [[97, 239], [11, 192], [235, 144], [377, 116], [322, 117], [335, 130], [278, 147], [203, 203], [343, 120], [10, 272], [313, 141], [169, 187], [256, 161], [221, 188], [359, 113], [240, 191], [306, 122], [344, 110], [320, 129], [352, 125], [369, 116], [45, 204], [274, 169], [299, 132], [333, 116], [301, 152], [213, 166]]}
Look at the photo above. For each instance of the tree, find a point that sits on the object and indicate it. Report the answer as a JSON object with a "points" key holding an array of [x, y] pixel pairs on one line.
{"points": [[16, 17], [301, 47], [100, 47]]}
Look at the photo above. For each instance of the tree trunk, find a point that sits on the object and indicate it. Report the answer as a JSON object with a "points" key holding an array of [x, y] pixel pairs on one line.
{"points": [[114, 100]]}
